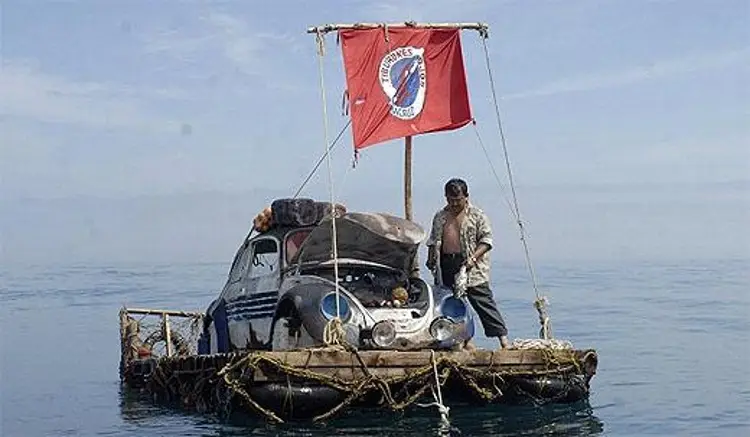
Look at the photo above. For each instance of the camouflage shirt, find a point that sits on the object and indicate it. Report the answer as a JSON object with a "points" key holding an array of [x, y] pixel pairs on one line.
{"points": [[475, 229]]}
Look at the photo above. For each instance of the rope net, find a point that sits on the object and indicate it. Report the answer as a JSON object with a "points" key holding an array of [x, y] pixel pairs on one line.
{"points": [[224, 382], [145, 336]]}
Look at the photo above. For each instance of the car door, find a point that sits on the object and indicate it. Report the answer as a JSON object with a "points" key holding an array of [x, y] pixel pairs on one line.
{"points": [[252, 307]]}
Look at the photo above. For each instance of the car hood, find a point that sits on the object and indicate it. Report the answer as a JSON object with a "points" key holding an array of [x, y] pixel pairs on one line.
{"points": [[375, 237]]}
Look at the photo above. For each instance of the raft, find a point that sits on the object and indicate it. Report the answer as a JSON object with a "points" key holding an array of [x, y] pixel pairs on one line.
{"points": [[316, 384]]}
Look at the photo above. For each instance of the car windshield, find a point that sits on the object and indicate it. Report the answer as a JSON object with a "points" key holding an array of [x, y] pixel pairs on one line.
{"points": [[293, 242]]}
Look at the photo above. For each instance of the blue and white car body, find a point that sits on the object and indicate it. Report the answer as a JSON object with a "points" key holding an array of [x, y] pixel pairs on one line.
{"points": [[281, 291]]}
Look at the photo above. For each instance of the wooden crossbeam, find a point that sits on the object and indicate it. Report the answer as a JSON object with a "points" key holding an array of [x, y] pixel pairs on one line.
{"points": [[481, 27]]}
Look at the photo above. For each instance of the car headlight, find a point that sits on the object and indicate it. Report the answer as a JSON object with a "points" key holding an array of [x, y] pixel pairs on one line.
{"points": [[328, 307], [442, 329], [383, 333]]}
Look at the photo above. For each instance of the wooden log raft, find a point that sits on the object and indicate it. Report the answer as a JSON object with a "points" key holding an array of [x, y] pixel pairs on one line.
{"points": [[318, 383], [349, 366]]}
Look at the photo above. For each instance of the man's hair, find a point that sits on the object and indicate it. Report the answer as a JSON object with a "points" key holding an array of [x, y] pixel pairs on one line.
{"points": [[456, 188]]}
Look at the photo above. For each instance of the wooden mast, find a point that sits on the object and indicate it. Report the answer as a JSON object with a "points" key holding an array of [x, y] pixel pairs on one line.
{"points": [[482, 28], [408, 214]]}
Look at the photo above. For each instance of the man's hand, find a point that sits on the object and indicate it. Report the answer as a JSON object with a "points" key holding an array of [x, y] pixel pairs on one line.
{"points": [[470, 263]]}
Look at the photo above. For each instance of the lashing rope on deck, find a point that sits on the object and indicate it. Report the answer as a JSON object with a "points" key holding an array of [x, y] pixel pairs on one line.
{"points": [[540, 343], [413, 386], [333, 333], [437, 396], [235, 369]]}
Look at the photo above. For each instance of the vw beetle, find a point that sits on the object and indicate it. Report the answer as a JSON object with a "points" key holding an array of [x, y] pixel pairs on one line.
{"points": [[281, 291]]}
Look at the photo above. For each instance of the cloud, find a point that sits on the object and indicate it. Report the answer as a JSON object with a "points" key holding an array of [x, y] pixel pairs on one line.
{"points": [[659, 69], [236, 44], [29, 93], [422, 10]]}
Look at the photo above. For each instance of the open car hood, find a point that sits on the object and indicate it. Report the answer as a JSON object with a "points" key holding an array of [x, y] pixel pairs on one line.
{"points": [[375, 237]]}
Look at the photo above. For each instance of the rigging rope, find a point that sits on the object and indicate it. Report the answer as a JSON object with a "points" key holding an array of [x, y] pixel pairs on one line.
{"points": [[322, 158], [334, 243], [541, 301], [437, 397], [494, 171]]}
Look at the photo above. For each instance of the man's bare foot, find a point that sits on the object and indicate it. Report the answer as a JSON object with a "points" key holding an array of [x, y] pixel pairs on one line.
{"points": [[469, 346], [504, 343]]}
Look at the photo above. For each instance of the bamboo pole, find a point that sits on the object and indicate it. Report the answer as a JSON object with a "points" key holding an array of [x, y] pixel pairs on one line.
{"points": [[167, 334], [481, 27], [162, 312], [408, 208], [408, 212]]}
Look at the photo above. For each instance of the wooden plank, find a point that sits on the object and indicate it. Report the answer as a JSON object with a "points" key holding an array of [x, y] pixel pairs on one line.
{"points": [[149, 311], [346, 366], [482, 27], [332, 358], [353, 373]]}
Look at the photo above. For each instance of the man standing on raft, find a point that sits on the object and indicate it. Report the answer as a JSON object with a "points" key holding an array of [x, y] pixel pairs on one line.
{"points": [[461, 236]]}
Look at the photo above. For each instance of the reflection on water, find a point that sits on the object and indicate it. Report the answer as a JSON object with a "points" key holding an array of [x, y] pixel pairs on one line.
{"points": [[496, 420]]}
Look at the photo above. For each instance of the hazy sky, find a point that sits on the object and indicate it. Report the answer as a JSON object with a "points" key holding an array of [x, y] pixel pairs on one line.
{"points": [[131, 129]]}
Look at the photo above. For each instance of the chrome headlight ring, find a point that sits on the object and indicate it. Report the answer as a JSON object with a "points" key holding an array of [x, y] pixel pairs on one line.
{"points": [[384, 333], [443, 329]]}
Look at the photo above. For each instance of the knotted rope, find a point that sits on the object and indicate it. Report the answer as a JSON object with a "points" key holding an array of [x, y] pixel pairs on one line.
{"points": [[438, 398], [333, 333]]}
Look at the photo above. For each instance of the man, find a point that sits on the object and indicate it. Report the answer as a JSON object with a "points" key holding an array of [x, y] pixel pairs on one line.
{"points": [[461, 236]]}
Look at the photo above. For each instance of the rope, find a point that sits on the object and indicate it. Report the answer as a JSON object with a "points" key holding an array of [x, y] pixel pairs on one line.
{"points": [[321, 52], [321, 159], [438, 398], [494, 172], [342, 186], [333, 332], [218, 379], [538, 343], [540, 301]]}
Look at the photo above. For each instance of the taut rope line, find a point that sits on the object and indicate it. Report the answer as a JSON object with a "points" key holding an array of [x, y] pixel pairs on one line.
{"points": [[540, 301], [322, 158], [334, 243], [494, 171]]}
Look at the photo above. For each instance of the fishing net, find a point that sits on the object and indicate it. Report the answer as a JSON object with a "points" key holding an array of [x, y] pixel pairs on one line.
{"points": [[156, 335], [225, 381]]}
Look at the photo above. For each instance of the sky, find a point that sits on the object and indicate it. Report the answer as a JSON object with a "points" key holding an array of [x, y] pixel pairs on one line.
{"points": [[155, 130]]}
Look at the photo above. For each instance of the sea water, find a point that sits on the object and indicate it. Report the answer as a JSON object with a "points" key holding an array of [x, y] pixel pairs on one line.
{"points": [[671, 338]]}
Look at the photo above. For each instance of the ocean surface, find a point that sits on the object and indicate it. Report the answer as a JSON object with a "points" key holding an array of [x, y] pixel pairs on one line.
{"points": [[672, 339]]}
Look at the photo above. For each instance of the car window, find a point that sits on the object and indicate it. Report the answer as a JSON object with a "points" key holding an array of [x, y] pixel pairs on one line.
{"points": [[241, 263], [293, 242], [265, 258]]}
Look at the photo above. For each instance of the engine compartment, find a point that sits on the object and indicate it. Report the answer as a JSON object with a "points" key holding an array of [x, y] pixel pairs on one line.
{"points": [[379, 287]]}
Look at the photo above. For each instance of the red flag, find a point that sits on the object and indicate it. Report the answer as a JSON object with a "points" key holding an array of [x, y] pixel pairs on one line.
{"points": [[407, 82]]}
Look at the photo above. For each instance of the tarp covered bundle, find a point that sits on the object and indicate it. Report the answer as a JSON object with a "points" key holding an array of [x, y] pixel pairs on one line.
{"points": [[294, 212]]}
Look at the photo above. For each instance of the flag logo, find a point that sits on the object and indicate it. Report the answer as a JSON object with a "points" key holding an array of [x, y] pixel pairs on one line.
{"points": [[403, 81], [402, 75]]}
